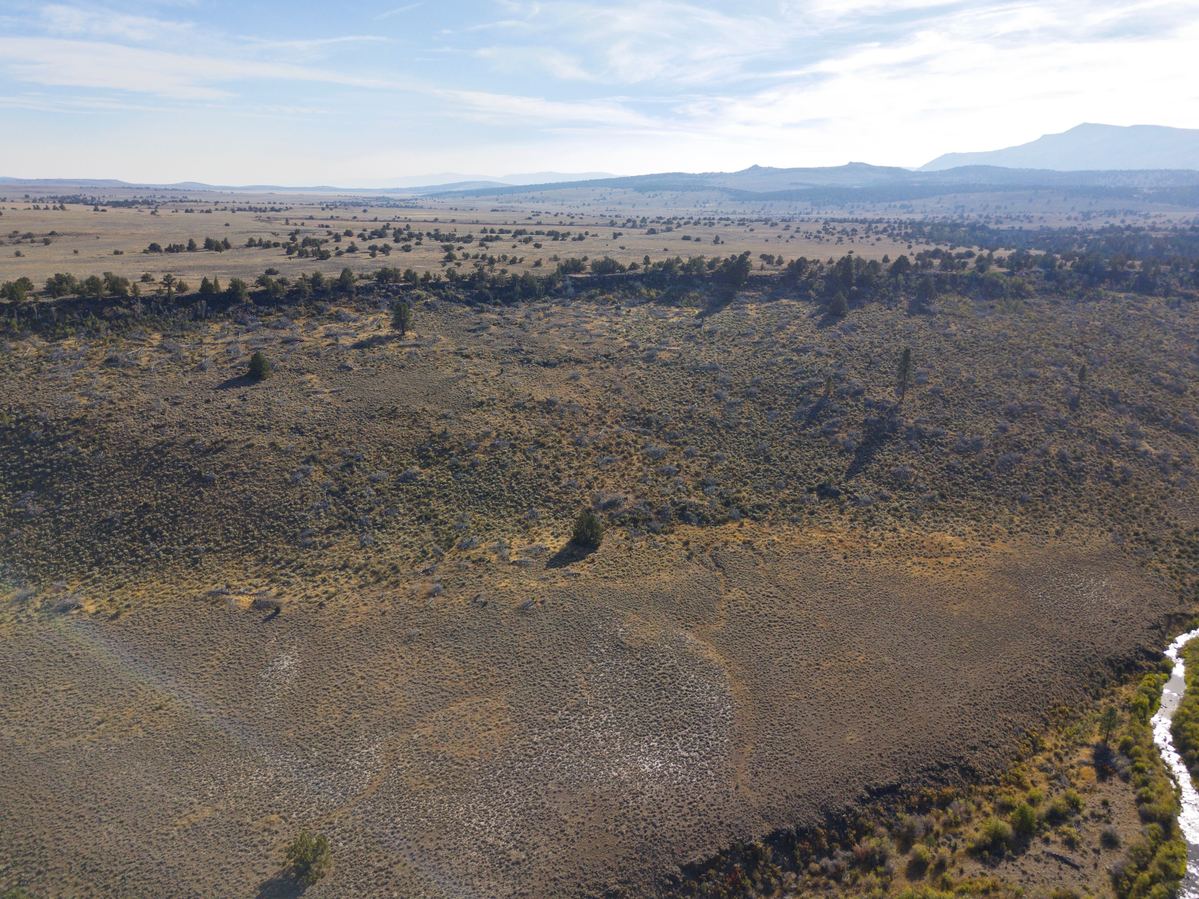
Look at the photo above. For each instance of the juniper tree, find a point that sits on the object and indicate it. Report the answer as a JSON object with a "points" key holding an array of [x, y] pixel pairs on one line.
{"points": [[733, 272], [16, 291], [900, 266], [401, 317], [838, 306], [588, 530], [115, 284], [260, 367], [238, 292], [926, 293], [309, 857]]}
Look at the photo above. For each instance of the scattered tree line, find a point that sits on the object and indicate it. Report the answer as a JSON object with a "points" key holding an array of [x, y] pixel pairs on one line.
{"points": [[835, 285], [211, 245], [1107, 241]]}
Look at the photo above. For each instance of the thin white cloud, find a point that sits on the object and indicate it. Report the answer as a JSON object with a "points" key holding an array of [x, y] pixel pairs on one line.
{"points": [[98, 22], [650, 41], [550, 60], [179, 76], [496, 107], [313, 46], [396, 11], [824, 12], [34, 102]]}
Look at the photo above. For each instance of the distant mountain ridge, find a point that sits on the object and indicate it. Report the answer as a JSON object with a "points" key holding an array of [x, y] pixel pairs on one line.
{"points": [[1144, 161], [1090, 147], [842, 185], [446, 179], [418, 185], [858, 181]]}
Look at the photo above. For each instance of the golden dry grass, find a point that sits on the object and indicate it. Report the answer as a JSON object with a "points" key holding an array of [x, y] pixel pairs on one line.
{"points": [[82, 240]]}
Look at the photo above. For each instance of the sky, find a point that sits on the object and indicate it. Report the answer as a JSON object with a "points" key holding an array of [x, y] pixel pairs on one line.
{"points": [[373, 93]]}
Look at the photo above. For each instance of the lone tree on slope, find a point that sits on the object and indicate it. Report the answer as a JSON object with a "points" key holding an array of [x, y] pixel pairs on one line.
{"points": [[260, 367], [401, 317], [309, 857], [1108, 723], [588, 531]]}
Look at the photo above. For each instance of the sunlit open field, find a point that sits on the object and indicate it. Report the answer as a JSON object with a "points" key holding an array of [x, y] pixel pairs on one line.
{"points": [[85, 239]]}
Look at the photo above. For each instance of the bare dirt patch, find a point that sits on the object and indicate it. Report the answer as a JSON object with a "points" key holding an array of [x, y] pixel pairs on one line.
{"points": [[648, 709]]}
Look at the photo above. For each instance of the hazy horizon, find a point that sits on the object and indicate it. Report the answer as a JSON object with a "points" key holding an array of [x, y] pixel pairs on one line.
{"points": [[384, 93]]}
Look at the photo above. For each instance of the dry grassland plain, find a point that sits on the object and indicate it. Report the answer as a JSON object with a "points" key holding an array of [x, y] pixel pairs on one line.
{"points": [[82, 238], [342, 598]]}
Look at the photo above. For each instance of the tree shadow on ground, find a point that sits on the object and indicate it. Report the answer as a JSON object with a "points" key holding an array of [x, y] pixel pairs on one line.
{"points": [[825, 320], [1104, 760], [715, 304], [283, 885], [875, 435], [569, 554], [814, 410], [235, 382], [375, 340]]}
